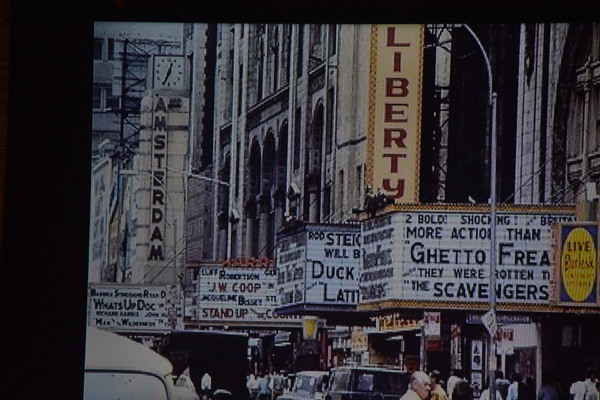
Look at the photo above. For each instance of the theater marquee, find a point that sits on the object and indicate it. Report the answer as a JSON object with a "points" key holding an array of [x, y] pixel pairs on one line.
{"points": [[394, 110], [442, 256]]}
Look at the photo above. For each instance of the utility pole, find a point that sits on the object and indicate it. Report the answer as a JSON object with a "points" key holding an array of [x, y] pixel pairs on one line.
{"points": [[491, 130]]}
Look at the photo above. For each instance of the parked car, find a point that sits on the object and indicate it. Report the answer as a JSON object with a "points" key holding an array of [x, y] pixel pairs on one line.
{"points": [[119, 368], [367, 383], [308, 385]]}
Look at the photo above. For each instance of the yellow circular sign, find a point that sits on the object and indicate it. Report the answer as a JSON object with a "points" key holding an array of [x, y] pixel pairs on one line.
{"points": [[578, 264]]}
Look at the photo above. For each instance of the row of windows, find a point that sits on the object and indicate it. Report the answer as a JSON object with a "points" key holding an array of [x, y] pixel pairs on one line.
{"points": [[104, 50]]}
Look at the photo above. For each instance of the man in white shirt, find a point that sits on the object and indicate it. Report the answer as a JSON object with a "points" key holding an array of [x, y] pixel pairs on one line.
{"points": [[590, 390], [485, 395], [452, 380], [206, 385], [513, 388], [419, 387]]}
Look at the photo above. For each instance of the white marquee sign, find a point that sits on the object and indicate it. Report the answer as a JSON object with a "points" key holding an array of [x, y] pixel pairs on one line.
{"points": [[133, 308], [444, 256], [239, 294], [320, 265]]}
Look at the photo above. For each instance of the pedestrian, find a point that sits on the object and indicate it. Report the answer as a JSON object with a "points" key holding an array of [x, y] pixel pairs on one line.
{"points": [[485, 395], [277, 385], [264, 388], [252, 385], [206, 386], [590, 390], [513, 388], [437, 391], [502, 384], [419, 387], [455, 376], [548, 390], [462, 390], [184, 380], [526, 389]]}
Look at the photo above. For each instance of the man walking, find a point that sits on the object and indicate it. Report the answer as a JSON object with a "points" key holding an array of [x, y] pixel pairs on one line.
{"points": [[419, 387]]}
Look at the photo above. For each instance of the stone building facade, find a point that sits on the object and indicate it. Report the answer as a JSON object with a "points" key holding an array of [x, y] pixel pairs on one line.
{"points": [[291, 119]]}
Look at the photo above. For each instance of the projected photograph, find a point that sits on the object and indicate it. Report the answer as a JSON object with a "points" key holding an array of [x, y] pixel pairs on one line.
{"points": [[344, 211]]}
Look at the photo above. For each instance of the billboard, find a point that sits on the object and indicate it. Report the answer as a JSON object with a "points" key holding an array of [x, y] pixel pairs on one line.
{"points": [[320, 265], [242, 294], [134, 308], [443, 256], [101, 191], [394, 110], [577, 264]]}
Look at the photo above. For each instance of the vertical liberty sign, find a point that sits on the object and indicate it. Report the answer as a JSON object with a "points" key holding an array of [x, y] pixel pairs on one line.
{"points": [[394, 110]]}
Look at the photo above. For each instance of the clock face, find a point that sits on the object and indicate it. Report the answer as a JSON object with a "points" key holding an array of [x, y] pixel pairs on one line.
{"points": [[168, 72]]}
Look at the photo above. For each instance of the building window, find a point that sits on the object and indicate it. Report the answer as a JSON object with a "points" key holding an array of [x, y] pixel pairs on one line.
{"points": [[300, 52], [316, 46], [111, 50], [341, 193], [359, 186], [576, 137], [332, 39], [101, 97], [240, 89], [98, 48], [297, 137], [260, 69], [595, 124], [330, 216], [330, 113], [275, 49], [286, 53]]}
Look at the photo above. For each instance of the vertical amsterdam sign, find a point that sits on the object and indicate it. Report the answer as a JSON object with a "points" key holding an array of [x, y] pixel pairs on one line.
{"points": [[159, 173], [394, 110], [160, 187]]}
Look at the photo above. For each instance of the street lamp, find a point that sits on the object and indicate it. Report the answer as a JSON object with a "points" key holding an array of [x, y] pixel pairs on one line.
{"points": [[491, 129]]}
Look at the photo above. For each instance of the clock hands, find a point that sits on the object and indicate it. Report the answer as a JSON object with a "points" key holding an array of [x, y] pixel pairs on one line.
{"points": [[168, 73]]}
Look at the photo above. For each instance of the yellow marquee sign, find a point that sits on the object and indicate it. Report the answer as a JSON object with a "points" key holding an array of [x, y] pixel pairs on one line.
{"points": [[577, 264], [394, 110]]}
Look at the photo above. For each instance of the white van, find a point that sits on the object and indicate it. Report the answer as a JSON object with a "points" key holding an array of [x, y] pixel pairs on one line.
{"points": [[119, 368]]}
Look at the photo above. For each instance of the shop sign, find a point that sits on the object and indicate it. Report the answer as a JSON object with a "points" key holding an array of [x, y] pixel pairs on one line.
{"points": [[505, 319], [320, 265], [394, 109], [243, 295], [395, 322], [432, 321], [489, 321], [359, 341], [100, 195], [133, 308], [506, 341], [577, 264], [444, 256]]}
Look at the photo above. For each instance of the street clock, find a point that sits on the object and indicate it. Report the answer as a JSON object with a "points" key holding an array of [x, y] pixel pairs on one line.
{"points": [[168, 72]]}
